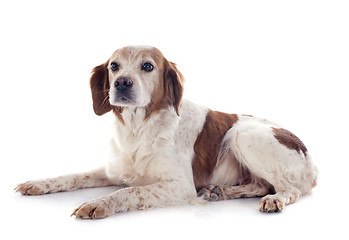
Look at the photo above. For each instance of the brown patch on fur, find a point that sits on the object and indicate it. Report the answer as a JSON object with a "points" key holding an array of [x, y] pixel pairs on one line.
{"points": [[99, 83], [289, 140], [208, 144], [169, 91]]}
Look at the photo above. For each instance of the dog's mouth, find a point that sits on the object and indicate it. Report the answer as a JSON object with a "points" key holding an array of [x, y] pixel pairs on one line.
{"points": [[123, 99], [129, 98]]}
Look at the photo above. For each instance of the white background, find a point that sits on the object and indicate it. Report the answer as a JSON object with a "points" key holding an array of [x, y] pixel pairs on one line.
{"points": [[287, 61]]}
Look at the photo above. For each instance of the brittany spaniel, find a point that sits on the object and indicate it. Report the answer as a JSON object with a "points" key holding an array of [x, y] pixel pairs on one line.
{"points": [[168, 151]]}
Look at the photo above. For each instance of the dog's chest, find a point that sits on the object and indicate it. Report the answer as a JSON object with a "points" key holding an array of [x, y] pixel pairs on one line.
{"points": [[133, 168], [140, 150]]}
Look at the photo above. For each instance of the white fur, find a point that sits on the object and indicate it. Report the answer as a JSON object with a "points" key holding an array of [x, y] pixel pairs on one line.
{"points": [[159, 149], [153, 156], [252, 142]]}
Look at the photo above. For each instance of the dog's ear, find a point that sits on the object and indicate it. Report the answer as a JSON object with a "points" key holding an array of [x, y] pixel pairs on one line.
{"points": [[99, 83], [173, 85]]}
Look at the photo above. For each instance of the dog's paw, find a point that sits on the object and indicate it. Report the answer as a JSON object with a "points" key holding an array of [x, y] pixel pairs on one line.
{"points": [[32, 188], [95, 209], [211, 193], [271, 203]]}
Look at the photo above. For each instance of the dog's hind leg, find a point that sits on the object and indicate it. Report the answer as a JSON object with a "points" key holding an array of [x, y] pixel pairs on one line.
{"points": [[276, 202], [276, 156]]}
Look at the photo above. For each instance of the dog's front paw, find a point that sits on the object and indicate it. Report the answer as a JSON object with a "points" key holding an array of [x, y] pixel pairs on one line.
{"points": [[32, 188], [95, 209]]}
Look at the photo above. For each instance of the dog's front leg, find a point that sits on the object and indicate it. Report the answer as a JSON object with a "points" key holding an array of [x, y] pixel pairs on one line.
{"points": [[96, 178], [160, 194]]}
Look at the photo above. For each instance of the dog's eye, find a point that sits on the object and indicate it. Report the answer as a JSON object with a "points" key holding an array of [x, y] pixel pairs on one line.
{"points": [[114, 66], [148, 67]]}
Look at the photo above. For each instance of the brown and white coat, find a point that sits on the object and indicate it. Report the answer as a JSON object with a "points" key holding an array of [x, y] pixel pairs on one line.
{"points": [[169, 151]]}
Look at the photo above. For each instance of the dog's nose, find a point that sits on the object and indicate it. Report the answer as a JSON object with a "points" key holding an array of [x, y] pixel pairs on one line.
{"points": [[123, 83]]}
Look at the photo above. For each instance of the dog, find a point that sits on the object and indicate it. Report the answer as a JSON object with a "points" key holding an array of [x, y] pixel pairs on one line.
{"points": [[168, 151]]}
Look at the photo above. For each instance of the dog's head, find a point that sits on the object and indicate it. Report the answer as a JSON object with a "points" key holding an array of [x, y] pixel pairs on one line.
{"points": [[137, 77]]}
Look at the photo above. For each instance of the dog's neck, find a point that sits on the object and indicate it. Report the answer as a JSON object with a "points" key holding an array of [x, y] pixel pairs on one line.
{"points": [[137, 118], [133, 117], [136, 131]]}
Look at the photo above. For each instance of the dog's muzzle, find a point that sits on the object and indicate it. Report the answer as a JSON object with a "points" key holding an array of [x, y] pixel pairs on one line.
{"points": [[124, 90], [123, 84]]}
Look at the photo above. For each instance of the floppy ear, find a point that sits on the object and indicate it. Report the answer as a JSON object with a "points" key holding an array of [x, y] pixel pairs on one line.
{"points": [[173, 85], [99, 83]]}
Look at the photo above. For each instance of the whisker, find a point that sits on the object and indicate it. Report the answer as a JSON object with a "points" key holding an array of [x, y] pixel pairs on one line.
{"points": [[106, 100]]}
